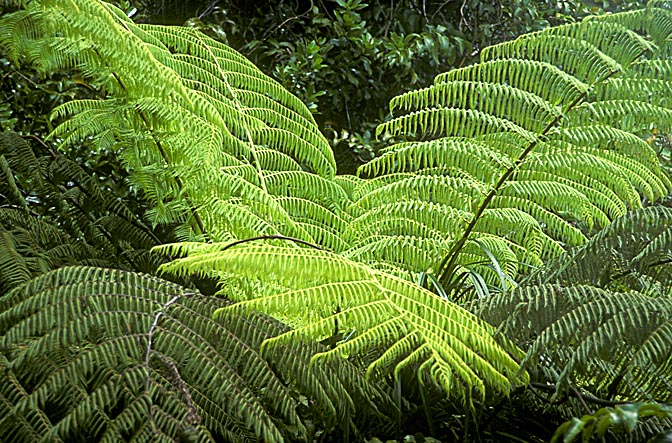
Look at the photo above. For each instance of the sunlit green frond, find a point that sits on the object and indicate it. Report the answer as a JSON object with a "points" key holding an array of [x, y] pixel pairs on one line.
{"points": [[189, 105], [577, 57], [647, 90], [526, 123], [539, 78], [494, 169], [453, 191], [655, 21], [476, 159], [523, 108], [435, 122], [629, 115], [323, 287], [341, 396]]}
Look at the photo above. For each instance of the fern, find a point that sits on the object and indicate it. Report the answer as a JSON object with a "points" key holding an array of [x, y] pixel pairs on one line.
{"points": [[518, 122], [90, 354], [409, 326], [55, 213], [198, 109], [512, 129], [530, 137], [599, 320]]}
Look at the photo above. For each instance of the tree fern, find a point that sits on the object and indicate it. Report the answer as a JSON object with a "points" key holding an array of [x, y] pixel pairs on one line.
{"points": [[90, 354], [198, 109], [530, 112], [503, 144]]}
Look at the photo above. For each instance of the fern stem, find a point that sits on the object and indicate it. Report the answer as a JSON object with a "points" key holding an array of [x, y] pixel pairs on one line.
{"points": [[449, 263], [587, 398], [578, 395], [148, 352], [271, 237]]}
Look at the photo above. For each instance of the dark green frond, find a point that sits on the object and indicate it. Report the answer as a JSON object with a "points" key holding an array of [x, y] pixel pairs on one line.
{"points": [[634, 246], [91, 355], [60, 215], [615, 344], [127, 351]]}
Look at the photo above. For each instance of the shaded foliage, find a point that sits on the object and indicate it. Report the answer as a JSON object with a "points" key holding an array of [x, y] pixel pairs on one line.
{"points": [[90, 354], [597, 324], [53, 213]]}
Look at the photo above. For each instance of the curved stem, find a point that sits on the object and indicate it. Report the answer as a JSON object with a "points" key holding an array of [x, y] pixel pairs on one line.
{"points": [[271, 237]]}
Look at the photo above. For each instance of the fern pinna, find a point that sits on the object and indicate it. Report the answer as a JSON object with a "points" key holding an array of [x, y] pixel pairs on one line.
{"points": [[499, 166]]}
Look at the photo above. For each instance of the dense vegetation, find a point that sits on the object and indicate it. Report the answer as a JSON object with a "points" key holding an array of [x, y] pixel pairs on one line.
{"points": [[189, 265]]}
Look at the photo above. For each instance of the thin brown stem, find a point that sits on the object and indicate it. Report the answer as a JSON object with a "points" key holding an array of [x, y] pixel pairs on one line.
{"points": [[574, 392]]}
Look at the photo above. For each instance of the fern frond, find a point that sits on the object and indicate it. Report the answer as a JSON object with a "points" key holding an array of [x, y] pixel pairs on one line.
{"points": [[196, 105], [578, 57], [462, 357], [503, 101], [579, 327], [530, 107], [598, 320], [637, 243], [535, 136], [477, 160], [122, 340], [91, 354], [70, 219], [539, 78]]}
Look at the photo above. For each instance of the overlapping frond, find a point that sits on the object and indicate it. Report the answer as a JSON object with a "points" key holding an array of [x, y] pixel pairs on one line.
{"points": [[214, 142], [54, 213], [90, 354], [614, 344], [633, 252], [197, 122], [500, 167], [599, 320]]}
